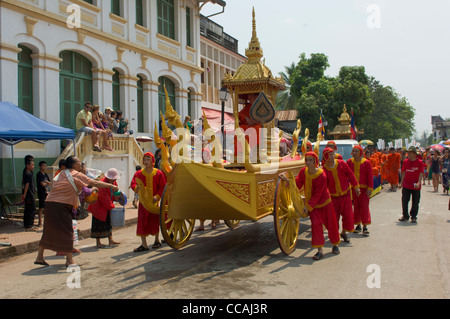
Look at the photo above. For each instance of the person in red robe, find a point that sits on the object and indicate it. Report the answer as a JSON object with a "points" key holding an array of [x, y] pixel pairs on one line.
{"points": [[392, 167], [364, 175], [340, 179], [333, 146], [318, 204], [149, 183], [247, 124], [101, 211]]}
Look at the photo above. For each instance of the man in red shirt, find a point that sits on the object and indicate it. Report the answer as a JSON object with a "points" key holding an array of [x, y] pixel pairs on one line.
{"points": [[412, 172]]}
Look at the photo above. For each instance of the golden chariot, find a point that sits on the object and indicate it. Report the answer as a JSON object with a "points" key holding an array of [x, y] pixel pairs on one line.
{"points": [[231, 192]]}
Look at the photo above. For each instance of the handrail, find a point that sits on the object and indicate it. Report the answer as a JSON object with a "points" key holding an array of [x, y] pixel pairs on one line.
{"points": [[121, 143]]}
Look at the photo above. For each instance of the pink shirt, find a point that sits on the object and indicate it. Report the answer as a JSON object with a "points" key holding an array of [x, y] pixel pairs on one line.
{"points": [[63, 192]]}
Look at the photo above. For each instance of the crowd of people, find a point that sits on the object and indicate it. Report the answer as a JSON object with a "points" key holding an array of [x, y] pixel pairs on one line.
{"points": [[101, 126], [388, 163], [337, 195], [71, 193]]}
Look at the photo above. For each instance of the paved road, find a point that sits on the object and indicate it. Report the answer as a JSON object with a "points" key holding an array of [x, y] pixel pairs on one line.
{"points": [[397, 260]]}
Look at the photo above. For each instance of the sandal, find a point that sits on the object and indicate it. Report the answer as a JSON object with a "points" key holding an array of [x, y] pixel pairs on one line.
{"points": [[156, 245], [42, 263], [345, 238], [97, 149], [335, 250], [318, 256], [140, 249]]}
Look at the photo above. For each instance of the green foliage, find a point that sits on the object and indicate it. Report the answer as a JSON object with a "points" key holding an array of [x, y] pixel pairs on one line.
{"points": [[379, 110]]}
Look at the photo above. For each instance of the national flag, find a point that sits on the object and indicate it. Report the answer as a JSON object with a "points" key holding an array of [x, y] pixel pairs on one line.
{"points": [[321, 127], [353, 127]]}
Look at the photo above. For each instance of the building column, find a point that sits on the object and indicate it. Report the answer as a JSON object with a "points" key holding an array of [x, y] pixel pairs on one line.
{"points": [[102, 87], [9, 91], [128, 99], [152, 107], [153, 26], [181, 100], [46, 103]]}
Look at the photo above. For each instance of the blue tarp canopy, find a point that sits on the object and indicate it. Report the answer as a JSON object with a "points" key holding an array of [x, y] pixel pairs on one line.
{"points": [[17, 125]]}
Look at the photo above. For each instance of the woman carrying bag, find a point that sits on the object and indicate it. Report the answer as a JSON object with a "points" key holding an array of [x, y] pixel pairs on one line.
{"points": [[58, 231], [101, 211]]}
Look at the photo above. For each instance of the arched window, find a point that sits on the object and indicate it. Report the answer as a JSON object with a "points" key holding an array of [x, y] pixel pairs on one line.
{"points": [[75, 86], [25, 83], [116, 90], [140, 104]]}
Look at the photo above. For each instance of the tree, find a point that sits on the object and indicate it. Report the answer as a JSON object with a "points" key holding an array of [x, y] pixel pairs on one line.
{"points": [[379, 110], [307, 71], [285, 100], [392, 115]]}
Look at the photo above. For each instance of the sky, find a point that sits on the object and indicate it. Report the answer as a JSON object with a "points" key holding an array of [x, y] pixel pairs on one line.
{"points": [[404, 44]]}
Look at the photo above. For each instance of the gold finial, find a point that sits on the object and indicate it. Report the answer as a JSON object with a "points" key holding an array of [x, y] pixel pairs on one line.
{"points": [[253, 24], [205, 122], [171, 115], [254, 51]]}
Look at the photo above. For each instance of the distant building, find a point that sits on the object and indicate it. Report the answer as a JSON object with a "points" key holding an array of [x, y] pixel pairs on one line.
{"points": [[286, 120], [120, 55], [440, 128], [219, 56]]}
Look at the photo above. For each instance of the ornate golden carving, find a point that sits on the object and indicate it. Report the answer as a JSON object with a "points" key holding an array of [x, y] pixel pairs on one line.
{"points": [[239, 190], [266, 191]]}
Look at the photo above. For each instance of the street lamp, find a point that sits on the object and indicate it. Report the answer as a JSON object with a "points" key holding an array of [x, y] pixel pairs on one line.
{"points": [[223, 96]]}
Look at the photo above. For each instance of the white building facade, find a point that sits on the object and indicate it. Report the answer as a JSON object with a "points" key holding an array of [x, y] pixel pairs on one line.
{"points": [[57, 54]]}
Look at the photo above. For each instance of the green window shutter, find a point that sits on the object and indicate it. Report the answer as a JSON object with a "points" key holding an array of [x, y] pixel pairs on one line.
{"points": [[139, 13], [75, 86], [189, 104], [166, 18], [188, 26], [140, 104], [116, 91], [88, 1], [25, 81], [115, 7]]}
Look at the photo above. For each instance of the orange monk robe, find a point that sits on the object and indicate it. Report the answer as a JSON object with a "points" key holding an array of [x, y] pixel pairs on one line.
{"points": [[392, 167], [383, 167], [375, 167]]}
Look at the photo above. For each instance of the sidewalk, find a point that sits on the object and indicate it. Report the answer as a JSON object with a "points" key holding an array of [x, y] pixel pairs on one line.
{"points": [[12, 232]]}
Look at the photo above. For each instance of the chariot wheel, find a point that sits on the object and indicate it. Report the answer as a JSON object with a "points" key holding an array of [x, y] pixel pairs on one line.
{"points": [[286, 211], [176, 232], [232, 223]]}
